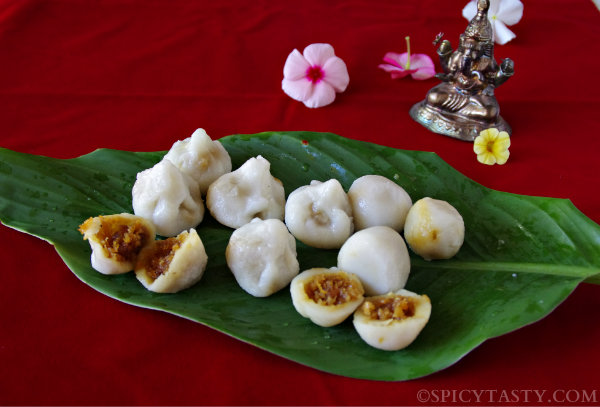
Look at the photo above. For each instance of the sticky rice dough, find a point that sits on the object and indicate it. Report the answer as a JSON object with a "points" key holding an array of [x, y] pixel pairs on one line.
{"points": [[201, 158], [378, 201], [379, 257], [262, 256], [168, 198], [434, 229], [249, 192], [319, 214]]}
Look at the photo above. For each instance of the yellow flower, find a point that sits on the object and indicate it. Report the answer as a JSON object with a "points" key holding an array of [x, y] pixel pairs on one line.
{"points": [[491, 146]]}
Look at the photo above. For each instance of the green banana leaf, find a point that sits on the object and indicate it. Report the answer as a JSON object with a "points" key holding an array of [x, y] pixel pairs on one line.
{"points": [[521, 258]]}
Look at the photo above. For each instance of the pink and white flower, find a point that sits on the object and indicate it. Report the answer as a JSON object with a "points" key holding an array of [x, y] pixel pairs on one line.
{"points": [[314, 76], [418, 66], [501, 13]]}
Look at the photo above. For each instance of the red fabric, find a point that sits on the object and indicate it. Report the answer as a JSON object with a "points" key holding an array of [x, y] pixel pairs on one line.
{"points": [[140, 74]]}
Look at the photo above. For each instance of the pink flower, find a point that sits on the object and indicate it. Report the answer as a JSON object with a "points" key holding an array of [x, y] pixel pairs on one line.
{"points": [[419, 66], [315, 76]]}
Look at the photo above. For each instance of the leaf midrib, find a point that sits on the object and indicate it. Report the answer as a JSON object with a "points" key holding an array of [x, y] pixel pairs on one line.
{"points": [[567, 271]]}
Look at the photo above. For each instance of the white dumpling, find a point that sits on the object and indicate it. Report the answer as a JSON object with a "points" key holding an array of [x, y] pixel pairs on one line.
{"points": [[392, 321], [249, 192], [116, 241], [168, 198], [262, 256], [326, 296], [434, 229], [379, 257], [173, 264], [319, 214], [378, 201], [201, 158]]}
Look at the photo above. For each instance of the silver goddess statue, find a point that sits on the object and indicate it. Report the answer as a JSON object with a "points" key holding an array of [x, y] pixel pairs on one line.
{"points": [[464, 103]]}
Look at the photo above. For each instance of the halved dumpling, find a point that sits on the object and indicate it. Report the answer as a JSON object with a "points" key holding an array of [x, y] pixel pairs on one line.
{"points": [[326, 296], [392, 321], [116, 241], [173, 264]]}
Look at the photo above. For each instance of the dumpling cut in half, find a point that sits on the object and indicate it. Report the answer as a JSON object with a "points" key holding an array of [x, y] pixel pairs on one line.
{"points": [[320, 214], [249, 192], [168, 198], [392, 321], [173, 264], [434, 229], [201, 158], [262, 256], [326, 296], [116, 241]]}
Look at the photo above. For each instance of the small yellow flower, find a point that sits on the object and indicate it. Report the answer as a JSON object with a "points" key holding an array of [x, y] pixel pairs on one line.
{"points": [[491, 147]]}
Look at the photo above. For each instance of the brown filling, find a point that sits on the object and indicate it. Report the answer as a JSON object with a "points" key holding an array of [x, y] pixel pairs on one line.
{"points": [[389, 307], [121, 238], [156, 261], [332, 289]]}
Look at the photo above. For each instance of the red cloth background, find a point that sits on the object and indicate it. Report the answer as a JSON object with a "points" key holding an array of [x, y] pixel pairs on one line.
{"points": [[140, 74]]}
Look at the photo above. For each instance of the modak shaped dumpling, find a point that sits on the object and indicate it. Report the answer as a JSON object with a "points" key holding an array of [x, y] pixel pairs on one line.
{"points": [[320, 214], [167, 197], [249, 192], [201, 158], [262, 256]]}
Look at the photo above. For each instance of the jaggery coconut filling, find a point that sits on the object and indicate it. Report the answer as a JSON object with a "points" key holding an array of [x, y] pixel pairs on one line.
{"points": [[122, 239], [332, 289], [156, 262], [395, 307]]}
